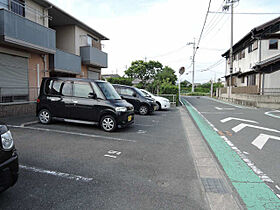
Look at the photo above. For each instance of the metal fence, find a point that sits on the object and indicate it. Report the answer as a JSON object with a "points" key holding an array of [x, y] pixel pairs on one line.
{"points": [[171, 97], [18, 94]]}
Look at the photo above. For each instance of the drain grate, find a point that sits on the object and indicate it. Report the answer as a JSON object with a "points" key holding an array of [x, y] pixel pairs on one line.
{"points": [[214, 185]]}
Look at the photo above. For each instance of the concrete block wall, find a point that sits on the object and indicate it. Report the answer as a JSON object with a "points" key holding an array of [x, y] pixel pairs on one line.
{"points": [[261, 101], [19, 109]]}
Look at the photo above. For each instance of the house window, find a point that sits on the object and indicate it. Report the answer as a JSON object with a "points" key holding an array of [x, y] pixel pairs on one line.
{"points": [[255, 45], [91, 40], [250, 48], [242, 79], [18, 7], [273, 44], [243, 54], [251, 80]]}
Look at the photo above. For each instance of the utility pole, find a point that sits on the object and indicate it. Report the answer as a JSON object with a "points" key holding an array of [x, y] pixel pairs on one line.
{"points": [[193, 61], [230, 3]]}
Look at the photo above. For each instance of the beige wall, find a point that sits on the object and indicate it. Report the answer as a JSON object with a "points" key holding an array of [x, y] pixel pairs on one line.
{"points": [[81, 39], [65, 38], [33, 60], [36, 13], [272, 80]]}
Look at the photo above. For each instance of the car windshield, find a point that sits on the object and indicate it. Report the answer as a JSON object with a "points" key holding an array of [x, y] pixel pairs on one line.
{"points": [[108, 91]]}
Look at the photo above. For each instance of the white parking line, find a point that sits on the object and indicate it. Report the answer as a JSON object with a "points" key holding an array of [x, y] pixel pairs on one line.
{"points": [[72, 133], [29, 123], [56, 173]]}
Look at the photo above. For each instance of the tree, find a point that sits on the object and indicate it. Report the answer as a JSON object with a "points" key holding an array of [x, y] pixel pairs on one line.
{"points": [[144, 71], [168, 75]]}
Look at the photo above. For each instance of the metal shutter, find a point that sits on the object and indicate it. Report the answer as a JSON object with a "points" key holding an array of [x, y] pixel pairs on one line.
{"points": [[93, 75], [13, 76]]}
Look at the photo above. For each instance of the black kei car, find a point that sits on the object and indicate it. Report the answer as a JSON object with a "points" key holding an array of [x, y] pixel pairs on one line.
{"points": [[83, 101], [142, 104], [8, 159]]}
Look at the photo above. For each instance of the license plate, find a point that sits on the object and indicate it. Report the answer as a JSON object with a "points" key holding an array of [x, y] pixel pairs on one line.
{"points": [[155, 108], [129, 118]]}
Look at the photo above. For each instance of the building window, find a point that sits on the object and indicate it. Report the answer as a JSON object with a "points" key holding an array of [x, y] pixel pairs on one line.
{"points": [[255, 45], [273, 44], [251, 80], [18, 7], [243, 54], [250, 48], [242, 79], [91, 41]]}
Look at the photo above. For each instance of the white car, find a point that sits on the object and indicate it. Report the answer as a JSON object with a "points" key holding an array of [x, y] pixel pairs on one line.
{"points": [[162, 102]]}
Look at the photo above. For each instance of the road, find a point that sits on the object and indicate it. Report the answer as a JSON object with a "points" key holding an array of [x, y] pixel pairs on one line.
{"points": [[254, 133], [69, 166]]}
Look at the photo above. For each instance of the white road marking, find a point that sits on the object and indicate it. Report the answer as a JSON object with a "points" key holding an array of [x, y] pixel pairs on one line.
{"points": [[72, 133], [278, 188], [141, 131], [261, 140], [29, 123], [244, 125], [219, 108], [250, 164], [220, 113], [239, 119], [110, 156], [111, 152], [272, 115], [56, 173], [246, 153]]}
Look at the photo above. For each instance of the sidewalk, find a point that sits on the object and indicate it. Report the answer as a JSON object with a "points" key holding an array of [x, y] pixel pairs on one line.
{"points": [[19, 120], [219, 192]]}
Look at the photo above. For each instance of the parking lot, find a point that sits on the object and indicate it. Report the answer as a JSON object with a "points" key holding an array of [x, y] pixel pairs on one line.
{"points": [[64, 166]]}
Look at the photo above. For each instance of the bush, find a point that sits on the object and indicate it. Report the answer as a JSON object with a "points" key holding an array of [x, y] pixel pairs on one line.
{"points": [[120, 80], [167, 88]]}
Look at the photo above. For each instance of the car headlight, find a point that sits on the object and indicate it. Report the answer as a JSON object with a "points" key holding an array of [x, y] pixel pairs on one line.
{"points": [[7, 140], [121, 109]]}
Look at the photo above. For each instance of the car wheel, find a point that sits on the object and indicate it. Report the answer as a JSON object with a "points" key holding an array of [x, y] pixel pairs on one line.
{"points": [[159, 106], [108, 123], [143, 110], [44, 116]]}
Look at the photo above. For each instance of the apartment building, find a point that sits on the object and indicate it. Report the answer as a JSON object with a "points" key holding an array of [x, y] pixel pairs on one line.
{"points": [[37, 39], [256, 58]]}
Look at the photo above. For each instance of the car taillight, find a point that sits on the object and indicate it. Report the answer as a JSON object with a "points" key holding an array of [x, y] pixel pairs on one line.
{"points": [[38, 100]]}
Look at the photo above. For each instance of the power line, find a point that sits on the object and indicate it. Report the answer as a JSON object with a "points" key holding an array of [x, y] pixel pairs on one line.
{"points": [[213, 65], [167, 53], [246, 13], [214, 16], [197, 46]]}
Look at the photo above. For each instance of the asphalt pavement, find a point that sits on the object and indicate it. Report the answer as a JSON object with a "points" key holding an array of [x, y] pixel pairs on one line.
{"points": [[148, 165], [253, 133]]}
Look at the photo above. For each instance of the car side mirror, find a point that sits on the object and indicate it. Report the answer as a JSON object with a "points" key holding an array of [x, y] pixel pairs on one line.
{"points": [[92, 96], [134, 95]]}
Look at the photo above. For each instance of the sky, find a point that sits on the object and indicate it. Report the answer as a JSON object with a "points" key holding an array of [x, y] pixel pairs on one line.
{"points": [[161, 29]]}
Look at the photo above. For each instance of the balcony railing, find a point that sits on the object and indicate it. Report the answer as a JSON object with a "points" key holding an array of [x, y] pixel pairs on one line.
{"points": [[24, 33], [65, 62], [94, 57]]}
